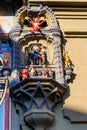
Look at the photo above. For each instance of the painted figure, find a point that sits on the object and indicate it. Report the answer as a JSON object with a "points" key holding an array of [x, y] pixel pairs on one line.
{"points": [[35, 56], [35, 23], [67, 61], [33, 71], [5, 62]]}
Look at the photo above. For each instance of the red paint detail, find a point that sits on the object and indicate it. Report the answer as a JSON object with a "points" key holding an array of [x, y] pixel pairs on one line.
{"points": [[25, 74]]}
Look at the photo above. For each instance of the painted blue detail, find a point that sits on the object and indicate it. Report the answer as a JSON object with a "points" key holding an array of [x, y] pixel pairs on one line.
{"points": [[27, 99], [6, 71], [5, 47], [2, 86], [20, 103]]}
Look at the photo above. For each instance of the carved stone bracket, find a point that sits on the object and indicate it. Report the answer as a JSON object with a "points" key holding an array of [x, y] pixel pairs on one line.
{"points": [[37, 97], [39, 119]]}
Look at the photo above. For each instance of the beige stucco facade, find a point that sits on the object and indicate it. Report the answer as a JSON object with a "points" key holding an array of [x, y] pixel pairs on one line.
{"points": [[73, 25]]}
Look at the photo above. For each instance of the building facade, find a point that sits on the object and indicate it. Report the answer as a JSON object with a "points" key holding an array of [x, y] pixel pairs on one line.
{"points": [[43, 64]]}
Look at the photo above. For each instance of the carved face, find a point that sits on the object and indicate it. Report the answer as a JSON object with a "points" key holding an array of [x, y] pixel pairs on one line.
{"points": [[36, 48]]}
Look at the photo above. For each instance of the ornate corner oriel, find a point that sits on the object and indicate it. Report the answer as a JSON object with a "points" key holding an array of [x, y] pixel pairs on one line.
{"points": [[39, 68]]}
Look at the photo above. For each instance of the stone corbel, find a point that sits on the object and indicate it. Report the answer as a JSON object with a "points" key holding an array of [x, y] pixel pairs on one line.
{"points": [[39, 119], [37, 103]]}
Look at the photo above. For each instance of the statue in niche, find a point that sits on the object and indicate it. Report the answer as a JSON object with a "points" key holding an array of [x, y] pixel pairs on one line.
{"points": [[35, 55], [35, 23]]}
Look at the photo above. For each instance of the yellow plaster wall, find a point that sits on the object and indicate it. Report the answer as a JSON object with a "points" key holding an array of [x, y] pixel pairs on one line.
{"points": [[77, 49], [71, 20], [74, 22], [73, 25]]}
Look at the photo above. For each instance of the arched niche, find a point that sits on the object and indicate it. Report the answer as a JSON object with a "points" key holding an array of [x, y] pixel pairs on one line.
{"points": [[36, 10], [26, 44], [48, 37]]}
